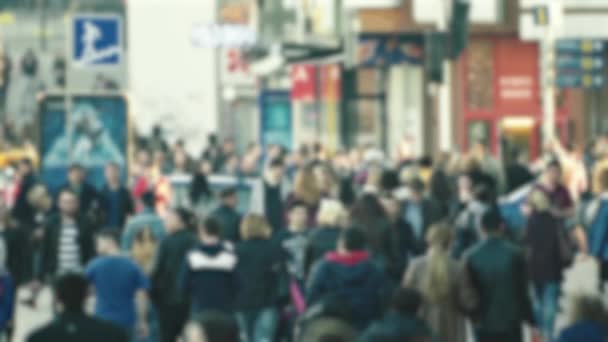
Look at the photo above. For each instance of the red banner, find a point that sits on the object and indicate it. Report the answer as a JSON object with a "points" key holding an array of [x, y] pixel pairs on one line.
{"points": [[303, 83]]}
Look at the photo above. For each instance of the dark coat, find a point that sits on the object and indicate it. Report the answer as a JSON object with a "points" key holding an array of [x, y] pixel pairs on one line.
{"points": [[321, 241], [497, 273], [258, 270], [88, 197], [542, 244], [126, 205], [398, 327], [50, 244], [23, 210], [230, 220], [431, 214], [78, 327], [352, 279], [517, 176], [172, 252]]}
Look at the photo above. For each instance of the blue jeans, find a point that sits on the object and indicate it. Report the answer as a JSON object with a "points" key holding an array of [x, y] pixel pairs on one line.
{"points": [[258, 325], [546, 306]]}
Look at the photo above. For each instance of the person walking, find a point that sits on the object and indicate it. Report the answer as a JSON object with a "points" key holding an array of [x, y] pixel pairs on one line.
{"points": [[87, 194], [324, 239], [436, 276], [269, 195], [420, 212], [120, 287], [72, 324], [171, 303], [115, 198], [259, 269], [497, 285], [209, 275], [350, 276], [68, 240], [228, 216]]}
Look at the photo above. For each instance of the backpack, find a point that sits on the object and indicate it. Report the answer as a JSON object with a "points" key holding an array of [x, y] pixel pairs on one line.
{"points": [[143, 249]]}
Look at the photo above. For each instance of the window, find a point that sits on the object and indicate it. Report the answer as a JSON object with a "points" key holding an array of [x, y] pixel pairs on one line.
{"points": [[480, 75]]}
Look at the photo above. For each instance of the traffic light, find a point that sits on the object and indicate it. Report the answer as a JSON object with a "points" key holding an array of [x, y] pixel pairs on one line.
{"points": [[459, 28], [434, 55]]}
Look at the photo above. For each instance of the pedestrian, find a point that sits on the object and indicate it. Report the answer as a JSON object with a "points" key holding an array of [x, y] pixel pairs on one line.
{"points": [[143, 233], [518, 172], [294, 241], [116, 201], [259, 270], [596, 222], [551, 183], [436, 276], [120, 287], [87, 194], [305, 190], [68, 239], [350, 276], [403, 241], [7, 293], [180, 180], [201, 196], [546, 261], [401, 322], [171, 302], [420, 212], [324, 239], [589, 321], [467, 222], [5, 79], [270, 194], [213, 326], [497, 285], [228, 216], [209, 272], [72, 323], [22, 210]]}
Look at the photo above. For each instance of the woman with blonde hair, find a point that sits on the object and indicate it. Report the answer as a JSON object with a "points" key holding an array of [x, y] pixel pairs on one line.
{"points": [[436, 276], [258, 269], [306, 190], [331, 219]]}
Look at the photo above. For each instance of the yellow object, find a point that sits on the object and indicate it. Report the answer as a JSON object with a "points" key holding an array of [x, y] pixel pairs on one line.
{"points": [[13, 155], [7, 18]]}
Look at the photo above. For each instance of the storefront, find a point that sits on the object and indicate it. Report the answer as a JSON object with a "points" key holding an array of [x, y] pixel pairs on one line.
{"points": [[500, 99]]}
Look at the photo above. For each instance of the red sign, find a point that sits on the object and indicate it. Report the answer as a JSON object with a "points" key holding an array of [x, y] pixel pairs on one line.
{"points": [[517, 88], [303, 83], [331, 83]]}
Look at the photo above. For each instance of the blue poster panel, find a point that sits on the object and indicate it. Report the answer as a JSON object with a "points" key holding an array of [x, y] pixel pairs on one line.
{"points": [[93, 134], [276, 120], [97, 40]]}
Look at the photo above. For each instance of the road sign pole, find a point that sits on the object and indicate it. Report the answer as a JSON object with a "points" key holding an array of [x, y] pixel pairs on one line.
{"points": [[548, 73], [444, 96]]}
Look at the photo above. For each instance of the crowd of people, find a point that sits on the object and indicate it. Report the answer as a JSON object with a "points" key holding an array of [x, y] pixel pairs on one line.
{"points": [[342, 247]]}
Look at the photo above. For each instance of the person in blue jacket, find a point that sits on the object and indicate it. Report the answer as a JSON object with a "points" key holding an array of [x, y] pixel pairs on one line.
{"points": [[7, 294]]}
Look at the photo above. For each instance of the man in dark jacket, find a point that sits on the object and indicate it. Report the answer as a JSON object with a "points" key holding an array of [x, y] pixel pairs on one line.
{"points": [[228, 216], [420, 213], [68, 241], [496, 273], [350, 275], [172, 304], [115, 199], [88, 198], [72, 323], [23, 210], [401, 322], [209, 272]]}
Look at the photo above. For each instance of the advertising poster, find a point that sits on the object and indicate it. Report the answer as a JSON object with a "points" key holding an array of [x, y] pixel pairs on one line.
{"points": [[93, 134], [276, 127]]}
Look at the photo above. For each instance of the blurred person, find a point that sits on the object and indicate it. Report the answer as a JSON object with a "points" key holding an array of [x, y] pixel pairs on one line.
{"points": [[369, 216], [259, 269], [562, 205], [209, 275], [115, 198], [251, 165], [231, 165], [306, 190], [59, 71], [441, 186], [324, 238], [488, 164], [467, 222], [212, 152], [6, 68], [545, 260], [345, 178], [29, 64], [180, 180], [120, 287], [495, 276], [172, 304], [420, 212], [436, 276], [517, 172], [596, 223], [201, 195], [9, 288], [326, 181], [402, 235], [425, 169], [349, 275], [589, 322], [401, 322], [143, 233], [212, 326], [157, 141], [270, 194], [22, 209], [88, 198], [575, 176], [228, 216], [72, 323], [68, 243], [373, 180], [472, 167]]}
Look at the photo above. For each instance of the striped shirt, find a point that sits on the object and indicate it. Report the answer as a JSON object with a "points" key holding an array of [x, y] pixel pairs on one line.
{"points": [[69, 249]]}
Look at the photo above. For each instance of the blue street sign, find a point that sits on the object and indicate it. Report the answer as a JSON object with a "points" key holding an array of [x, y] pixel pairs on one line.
{"points": [[580, 81], [97, 40], [583, 47], [579, 63]]}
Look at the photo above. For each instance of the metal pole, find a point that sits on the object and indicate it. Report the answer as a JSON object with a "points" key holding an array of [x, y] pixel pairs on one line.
{"points": [[548, 73], [445, 100]]}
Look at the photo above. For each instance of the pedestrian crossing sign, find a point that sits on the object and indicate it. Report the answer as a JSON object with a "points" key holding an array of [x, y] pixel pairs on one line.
{"points": [[97, 40]]}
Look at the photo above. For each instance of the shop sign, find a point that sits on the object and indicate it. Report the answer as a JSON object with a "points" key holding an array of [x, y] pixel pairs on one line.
{"points": [[223, 35], [303, 83], [331, 83], [516, 87]]}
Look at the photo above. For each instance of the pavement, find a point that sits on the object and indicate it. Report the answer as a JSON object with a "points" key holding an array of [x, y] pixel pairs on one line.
{"points": [[28, 319]]}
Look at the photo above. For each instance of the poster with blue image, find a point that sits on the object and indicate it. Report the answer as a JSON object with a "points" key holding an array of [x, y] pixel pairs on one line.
{"points": [[276, 120], [93, 134]]}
